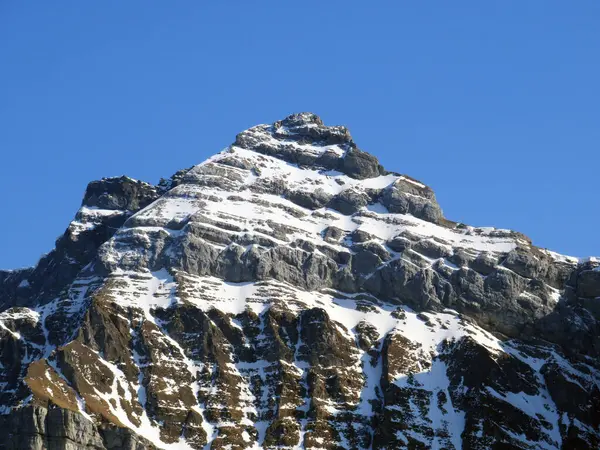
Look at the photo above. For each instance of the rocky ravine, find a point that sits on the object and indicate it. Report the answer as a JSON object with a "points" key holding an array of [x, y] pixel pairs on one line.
{"points": [[290, 292]]}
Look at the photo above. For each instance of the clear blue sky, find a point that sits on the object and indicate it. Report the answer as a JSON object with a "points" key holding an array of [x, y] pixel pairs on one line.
{"points": [[496, 105]]}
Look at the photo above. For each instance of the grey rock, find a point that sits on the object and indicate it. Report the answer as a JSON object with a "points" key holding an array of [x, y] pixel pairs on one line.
{"points": [[309, 199], [461, 258], [588, 283], [119, 193], [330, 160], [431, 249], [400, 201], [333, 234], [360, 165], [38, 428], [359, 236], [399, 244], [524, 263], [295, 266], [365, 262], [374, 248], [301, 119], [301, 127], [485, 263], [349, 201], [367, 335]]}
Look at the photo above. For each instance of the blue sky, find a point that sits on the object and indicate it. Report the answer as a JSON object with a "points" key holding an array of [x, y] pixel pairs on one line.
{"points": [[496, 105]]}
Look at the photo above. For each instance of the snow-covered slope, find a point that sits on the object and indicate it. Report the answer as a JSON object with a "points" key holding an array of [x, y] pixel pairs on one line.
{"points": [[290, 292]]}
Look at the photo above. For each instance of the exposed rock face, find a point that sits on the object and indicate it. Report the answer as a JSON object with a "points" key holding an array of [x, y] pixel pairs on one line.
{"points": [[106, 205], [39, 428], [291, 293]]}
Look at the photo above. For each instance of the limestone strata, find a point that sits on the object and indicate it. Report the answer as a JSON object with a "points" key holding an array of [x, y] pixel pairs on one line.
{"points": [[290, 292]]}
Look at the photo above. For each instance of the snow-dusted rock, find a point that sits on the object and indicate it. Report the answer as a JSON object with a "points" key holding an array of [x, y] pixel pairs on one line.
{"points": [[289, 292]]}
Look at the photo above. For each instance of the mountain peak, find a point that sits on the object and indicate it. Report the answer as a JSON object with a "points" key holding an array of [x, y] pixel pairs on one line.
{"points": [[302, 118], [291, 293], [303, 139]]}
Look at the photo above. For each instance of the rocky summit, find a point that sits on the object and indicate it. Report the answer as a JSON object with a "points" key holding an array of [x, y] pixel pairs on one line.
{"points": [[291, 293]]}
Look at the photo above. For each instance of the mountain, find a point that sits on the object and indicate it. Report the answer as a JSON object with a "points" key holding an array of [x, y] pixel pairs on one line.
{"points": [[290, 292]]}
